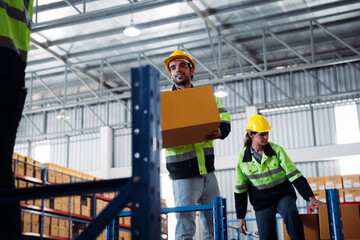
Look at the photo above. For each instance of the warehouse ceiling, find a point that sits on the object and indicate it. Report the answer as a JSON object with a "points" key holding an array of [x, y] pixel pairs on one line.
{"points": [[80, 55]]}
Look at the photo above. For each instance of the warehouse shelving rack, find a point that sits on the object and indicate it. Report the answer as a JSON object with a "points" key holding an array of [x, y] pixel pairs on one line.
{"points": [[42, 210], [142, 190]]}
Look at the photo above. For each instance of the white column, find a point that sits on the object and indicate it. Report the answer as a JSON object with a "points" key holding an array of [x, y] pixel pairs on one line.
{"points": [[251, 111], [106, 151]]}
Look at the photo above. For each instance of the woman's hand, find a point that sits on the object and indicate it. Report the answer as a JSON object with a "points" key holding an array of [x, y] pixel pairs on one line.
{"points": [[315, 203], [242, 226]]}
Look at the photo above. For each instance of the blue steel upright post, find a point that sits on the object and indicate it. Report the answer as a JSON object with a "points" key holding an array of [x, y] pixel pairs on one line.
{"points": [[334, 214], [146, 146], [220, 222]]}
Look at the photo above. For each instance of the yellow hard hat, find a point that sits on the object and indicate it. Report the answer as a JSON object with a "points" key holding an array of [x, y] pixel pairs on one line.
{"points": [[258, 123], [179, 54]]}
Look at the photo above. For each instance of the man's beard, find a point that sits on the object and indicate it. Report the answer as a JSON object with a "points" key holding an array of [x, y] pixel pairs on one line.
{"points": [[182, 82]]}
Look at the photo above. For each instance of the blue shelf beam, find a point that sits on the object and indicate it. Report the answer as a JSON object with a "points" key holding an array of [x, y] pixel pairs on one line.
{"points": [[204, 207], [60, 190]]}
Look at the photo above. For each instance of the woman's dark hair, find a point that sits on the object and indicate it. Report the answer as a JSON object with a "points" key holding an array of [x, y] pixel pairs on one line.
{"points": [[247, 138]]}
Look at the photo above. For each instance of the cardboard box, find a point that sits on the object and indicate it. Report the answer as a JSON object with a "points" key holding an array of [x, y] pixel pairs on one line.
{"points": [[65, 178], [65, 204], [38, 202], [188, 116], [29, 168], [311, 227], [352, 194], [320, 195], [46, 229], [317, 183], [76, 205], [34, 223], [127, 220], [351, 181], [20, 168], [15, 155], [350, 221], [21, 184], [26, 226], [51, 176], [27, 222], [341, 195], [54, 226], [47, 225], [86, 206], [333, 182], [47, 202], [59, 177], [37, 170], [63, 232], [57, 203]]}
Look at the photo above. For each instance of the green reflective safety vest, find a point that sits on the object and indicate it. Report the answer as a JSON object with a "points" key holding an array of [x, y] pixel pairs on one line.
{"points": [[15, 27], [275, 169], [195, 159]]}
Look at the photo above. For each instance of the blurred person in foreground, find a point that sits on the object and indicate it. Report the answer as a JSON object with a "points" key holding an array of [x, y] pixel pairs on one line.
{"points": [[15, 29]]}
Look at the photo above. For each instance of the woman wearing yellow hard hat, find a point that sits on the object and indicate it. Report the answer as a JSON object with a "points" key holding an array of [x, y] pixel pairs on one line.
{"points": [[266, 173]]}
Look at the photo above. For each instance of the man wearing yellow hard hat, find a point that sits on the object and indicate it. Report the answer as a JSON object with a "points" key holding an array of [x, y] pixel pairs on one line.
{"points": [[266, 173], [191, 167]]}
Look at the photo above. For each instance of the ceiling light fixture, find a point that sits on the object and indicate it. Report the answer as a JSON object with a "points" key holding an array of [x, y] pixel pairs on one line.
{"points": [[220, 92], [132, 30], [62, 115]]}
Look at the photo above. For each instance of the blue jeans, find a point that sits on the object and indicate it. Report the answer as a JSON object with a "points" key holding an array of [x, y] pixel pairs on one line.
{"points": [[193, 191], [266, 220]]}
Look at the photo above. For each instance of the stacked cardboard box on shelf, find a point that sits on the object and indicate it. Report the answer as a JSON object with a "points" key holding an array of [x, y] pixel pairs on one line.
{"points": [[30, 222], [349, 191], [348, 186], [80, 204], [351, 188]]}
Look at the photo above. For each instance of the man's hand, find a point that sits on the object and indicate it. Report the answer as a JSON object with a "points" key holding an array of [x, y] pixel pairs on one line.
{"points": [[214, 135], [315, 203], [242, 226]]}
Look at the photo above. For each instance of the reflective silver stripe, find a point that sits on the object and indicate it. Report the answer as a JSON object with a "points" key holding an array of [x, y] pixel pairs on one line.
{"points": [[17, 14], [290, 175], [223, 121], [272, 184], [222, 110], [208, 151], [242, 187], [265, 174], [181, 157], [188, 155]]}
